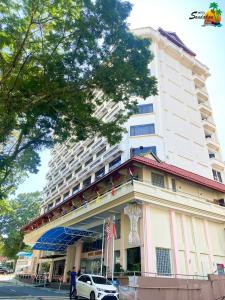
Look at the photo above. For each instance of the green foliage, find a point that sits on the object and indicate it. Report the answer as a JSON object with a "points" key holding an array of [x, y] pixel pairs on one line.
{"points": [[25, 207], [60, 60], [118, 268], [213, 5]]}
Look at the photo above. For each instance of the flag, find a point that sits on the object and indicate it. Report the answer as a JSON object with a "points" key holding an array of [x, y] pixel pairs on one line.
{"points": [[107, 231], [98, 199], [113, 191], [114, 229], [84, 201], [131, 173]]}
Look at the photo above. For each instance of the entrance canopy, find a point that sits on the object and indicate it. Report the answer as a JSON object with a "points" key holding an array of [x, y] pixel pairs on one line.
{"points": [[59, 238]]}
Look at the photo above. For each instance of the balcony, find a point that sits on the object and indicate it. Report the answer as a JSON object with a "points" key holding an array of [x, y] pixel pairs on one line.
{"points": [[205, 109], [199, 80], [202, 94], [208, 124], [212, 142], [112, 152], [216, 161]]}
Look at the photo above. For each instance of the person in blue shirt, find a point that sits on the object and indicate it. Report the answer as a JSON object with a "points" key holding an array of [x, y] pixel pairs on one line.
{"points": [[73, 276]]}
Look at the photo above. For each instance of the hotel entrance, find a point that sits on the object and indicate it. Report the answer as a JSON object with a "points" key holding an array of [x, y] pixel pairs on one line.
{"points": [[58, 269], [92, 266]]}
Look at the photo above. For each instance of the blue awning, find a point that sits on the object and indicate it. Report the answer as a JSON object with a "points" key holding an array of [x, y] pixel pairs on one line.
{"points": [[59, 238]]}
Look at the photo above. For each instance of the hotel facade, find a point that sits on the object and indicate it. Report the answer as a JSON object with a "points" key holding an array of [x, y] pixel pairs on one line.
{"points": [[168, 205]]}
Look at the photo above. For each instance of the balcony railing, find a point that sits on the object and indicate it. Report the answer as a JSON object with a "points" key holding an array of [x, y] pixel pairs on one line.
{"points": [[126, 185]]}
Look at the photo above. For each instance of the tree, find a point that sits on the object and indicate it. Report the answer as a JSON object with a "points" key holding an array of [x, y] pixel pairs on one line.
{"points": [[213, 5], [60, 60], [26, 207]]}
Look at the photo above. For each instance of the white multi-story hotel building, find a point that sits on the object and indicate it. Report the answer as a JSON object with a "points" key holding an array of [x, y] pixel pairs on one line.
{"points": [[161, 217], [177, 125]]}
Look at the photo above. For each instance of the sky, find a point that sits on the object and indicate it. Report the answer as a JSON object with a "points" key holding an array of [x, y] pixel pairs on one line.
{"points": [[207, 42]]}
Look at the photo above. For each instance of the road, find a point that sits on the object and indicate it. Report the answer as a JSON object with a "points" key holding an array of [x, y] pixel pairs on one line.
{"points": [[13, 290]]}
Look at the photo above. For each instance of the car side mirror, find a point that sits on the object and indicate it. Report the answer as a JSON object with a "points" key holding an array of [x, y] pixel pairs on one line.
{"points": [[89, 282]]}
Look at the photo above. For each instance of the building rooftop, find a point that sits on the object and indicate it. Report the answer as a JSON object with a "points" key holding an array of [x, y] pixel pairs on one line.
{"points": [[172, 36]]}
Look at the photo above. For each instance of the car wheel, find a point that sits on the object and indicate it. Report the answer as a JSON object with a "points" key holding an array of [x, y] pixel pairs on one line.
{"points": [[92, 296]]}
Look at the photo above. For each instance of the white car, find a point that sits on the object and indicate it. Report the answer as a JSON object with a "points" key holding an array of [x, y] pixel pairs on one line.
{"points": [[96, 287]]}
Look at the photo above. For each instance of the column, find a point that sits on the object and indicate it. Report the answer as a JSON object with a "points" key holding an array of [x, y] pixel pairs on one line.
{"points": [[51, 271], [147, 264], [174, 234], [34, 262], [78, 246], [186, 244], [70, 255], [197, 250], [108, 251], [123, 258], [142, 245], [209, 243]]}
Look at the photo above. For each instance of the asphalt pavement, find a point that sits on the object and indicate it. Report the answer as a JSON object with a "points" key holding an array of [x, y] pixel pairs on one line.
{"points": [[13, 290]]}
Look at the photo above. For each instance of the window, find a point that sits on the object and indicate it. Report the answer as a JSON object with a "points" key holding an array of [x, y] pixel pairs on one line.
{"points": [[100, 173], [76, 189], [66, 195], [217, 176], [89, 246], [145, 108], [212, 155], [115, 163], [84, 278], [118, 228], [70, 162], [89, 145], [87, 182], [142, 150], [78, 170], [63, 168], [174, 188], [53, 189], [221, 202], [101, 151], [50, 205], [117, 257], [68, 177], [57, 201], [80, 152], [142, 129], [163, 261], [158, 180], [101, 280], [88, 162], [60, 184]]}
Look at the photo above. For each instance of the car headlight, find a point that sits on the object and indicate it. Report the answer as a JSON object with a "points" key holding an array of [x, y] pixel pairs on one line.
{"points": [[100, 290]]}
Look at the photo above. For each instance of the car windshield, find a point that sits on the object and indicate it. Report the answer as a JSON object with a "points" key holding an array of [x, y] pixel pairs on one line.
{"points": [[101, 280]]}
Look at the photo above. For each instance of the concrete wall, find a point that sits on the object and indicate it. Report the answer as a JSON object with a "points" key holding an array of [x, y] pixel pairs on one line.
{"points": [[149, 288]]}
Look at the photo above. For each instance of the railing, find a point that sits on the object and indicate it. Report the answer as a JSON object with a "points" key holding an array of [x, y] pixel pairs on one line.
{"points": [[198, 198], [156, 275]]}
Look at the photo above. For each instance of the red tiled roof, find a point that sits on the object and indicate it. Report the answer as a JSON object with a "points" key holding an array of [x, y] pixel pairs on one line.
{"points": [[173, 170]]}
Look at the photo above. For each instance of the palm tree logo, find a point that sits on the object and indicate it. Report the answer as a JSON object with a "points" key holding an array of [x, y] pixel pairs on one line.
{"points": [[213, 16]]}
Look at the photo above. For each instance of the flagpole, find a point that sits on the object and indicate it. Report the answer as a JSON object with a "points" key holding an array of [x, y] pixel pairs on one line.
{"points": [[103, 243], [113, 248], [107, 258]]}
